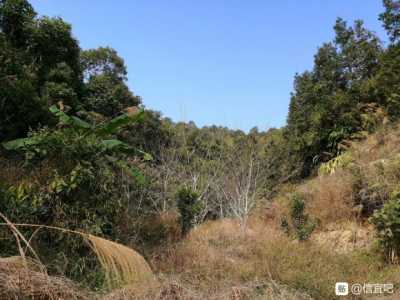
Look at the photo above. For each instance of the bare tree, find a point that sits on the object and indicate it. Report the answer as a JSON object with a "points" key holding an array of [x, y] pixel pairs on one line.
{"points": [[225, 177], [240, 187]]}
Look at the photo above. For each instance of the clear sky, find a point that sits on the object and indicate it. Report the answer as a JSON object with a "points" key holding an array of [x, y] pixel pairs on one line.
{"points": [[223, 62]]}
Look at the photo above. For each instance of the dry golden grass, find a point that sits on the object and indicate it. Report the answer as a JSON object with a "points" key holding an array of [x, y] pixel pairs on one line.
{"points": [[346, 237], [217, 258], [122, 265], [369, 179], [19, 280], [330, 198], [14, 173], [11, 172], [384, 144]]}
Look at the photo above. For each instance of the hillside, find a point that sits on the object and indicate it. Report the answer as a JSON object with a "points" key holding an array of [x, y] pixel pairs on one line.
{"points": [[103, 198], [223, 260]]}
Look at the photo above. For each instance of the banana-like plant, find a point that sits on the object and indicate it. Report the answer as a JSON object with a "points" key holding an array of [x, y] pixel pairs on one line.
{"points": [[103, 133]]}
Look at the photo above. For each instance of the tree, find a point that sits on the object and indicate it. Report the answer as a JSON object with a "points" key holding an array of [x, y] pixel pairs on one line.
{"points": [[20, 105], [16, 21], [40, 67], [359, 51], [391, 19], [57, 53], [240, 179], [388, 81], [152, 134], [107, 97], [326, 102], [103, 61], [105, 89], [387, 225]]}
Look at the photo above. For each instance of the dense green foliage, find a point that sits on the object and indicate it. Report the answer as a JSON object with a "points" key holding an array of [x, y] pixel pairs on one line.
{"points": [[327, 102], [73, 180], [189, 208], [391, 19], [105, 89], [42, 64], [387, 222], [298, 223]]}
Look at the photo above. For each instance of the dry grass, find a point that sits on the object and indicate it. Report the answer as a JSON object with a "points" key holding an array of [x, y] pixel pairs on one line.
{"points": [[345, 237], [122, 265], [15, 173], [22, 277], [384, 144], [330, 198], [217, 260], [19, 281], [11, 173], [351, 193]]}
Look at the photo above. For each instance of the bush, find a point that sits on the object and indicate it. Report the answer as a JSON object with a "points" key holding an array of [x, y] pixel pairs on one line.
{"points": [[387, 223], [300, 223], [189, 208]]}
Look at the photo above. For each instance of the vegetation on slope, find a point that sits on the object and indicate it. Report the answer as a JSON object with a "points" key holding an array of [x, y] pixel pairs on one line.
{"points": [[217, 213]]}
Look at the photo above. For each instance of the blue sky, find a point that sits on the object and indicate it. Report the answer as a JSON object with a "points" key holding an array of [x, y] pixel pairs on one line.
{"points": [[223, 62]]}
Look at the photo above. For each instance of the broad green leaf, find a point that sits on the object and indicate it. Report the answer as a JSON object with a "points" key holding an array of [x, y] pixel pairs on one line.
{"points": [[73, 121], [21, 143], [116, 144], [115, 124], [132, 171]]}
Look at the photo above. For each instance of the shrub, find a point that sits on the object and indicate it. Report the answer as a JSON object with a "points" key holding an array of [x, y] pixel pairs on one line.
{"points": [[189, 208], [387, 223], [300, 223]]}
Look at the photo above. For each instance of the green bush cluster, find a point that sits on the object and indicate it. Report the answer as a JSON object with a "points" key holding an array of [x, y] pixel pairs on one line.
{"points": [[387, 223], [298, 223], [189, 208]]}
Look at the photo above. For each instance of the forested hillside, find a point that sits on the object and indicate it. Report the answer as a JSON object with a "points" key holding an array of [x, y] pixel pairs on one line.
{"points": [[102, 198]]}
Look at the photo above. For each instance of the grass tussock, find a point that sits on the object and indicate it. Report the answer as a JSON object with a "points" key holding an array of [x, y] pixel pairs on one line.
{"points": [[123, 265]]}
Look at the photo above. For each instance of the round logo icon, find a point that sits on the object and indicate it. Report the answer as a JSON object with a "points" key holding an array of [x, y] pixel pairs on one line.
{"points": [[356, 289]]}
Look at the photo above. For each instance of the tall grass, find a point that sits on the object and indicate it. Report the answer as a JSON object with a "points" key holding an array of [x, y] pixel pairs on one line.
{"points": [[122, 265], [218, 257]]}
